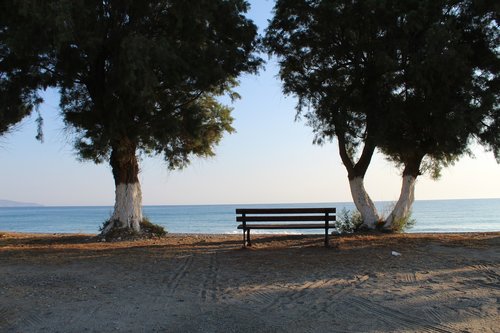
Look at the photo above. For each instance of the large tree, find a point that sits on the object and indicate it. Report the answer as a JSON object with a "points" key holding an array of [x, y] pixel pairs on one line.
{"points": [[446, 88], [141, 77], [18, 83], [337, 57], [417, 79], [489, 129]]}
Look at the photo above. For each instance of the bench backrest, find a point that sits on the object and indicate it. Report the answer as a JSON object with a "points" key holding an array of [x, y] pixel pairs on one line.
{"points": [[285, 214]]}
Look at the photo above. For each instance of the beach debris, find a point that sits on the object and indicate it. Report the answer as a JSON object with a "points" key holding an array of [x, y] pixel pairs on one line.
{"points": [[396, 254]]}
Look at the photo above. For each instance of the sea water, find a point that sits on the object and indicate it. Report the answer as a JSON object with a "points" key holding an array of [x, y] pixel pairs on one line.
{"points": [[433, 216]]}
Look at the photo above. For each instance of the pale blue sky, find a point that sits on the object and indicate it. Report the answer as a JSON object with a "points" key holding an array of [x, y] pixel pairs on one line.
{"points": [[270, 159]]}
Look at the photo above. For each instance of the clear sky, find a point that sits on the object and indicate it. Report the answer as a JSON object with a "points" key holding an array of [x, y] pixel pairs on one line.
{"points": [[270, 159]]}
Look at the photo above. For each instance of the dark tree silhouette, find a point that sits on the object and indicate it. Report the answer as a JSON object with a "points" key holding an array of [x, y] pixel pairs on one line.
{"points": [[337, 57], [19, 79], [138, 77], [446, 88], [417, 79]]}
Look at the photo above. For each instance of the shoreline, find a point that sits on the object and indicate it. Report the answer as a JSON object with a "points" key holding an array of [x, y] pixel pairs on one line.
{"points": [[256, 232]]}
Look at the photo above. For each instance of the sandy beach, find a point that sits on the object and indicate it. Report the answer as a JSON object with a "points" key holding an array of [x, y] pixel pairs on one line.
{"points": [[208, 283]]}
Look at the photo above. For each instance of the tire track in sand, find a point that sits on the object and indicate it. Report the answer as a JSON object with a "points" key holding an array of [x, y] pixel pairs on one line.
{"points": [[22, 322], [210, 289], [177, 275], [434, 314], [260, 295], [5, 314], [409, 278], [491, 277], [334, 298], [9, 322], [291, 296], [396, 318], [489, 271]]}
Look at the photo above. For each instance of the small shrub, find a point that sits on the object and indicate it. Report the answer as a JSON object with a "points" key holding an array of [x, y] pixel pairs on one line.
{"points": [[148, 230], [104, 225], [398, 225], [403, 224], [348, 221], [152, 229]]}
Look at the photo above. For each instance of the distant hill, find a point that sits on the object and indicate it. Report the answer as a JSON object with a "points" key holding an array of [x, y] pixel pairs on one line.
{"points": [[9, 203]]}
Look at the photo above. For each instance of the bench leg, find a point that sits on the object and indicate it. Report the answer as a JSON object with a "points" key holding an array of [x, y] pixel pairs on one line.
{"points": [[327, 243], [248, 238]]}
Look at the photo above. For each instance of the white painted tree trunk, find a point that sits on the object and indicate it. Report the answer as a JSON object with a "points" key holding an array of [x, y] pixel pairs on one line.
{"points": [[128, 207], [363, 202], [405, 202]]}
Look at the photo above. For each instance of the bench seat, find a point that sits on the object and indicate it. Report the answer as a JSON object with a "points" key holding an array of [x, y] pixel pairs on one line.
{"points": [[283, 226], [290, 218]]}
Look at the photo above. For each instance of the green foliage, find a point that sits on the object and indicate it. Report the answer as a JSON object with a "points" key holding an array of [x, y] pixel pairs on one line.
{"points": [[334, 59], [490, 134], [399, 224], [16, 99], [147, 73], [445, 86], [148, 230], [21, 76], [348, 221], [414, 78], [104, 225], [403, 224]]}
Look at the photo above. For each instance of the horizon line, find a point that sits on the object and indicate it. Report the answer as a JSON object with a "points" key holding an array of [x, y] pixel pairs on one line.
{"points": [[35, 205]]}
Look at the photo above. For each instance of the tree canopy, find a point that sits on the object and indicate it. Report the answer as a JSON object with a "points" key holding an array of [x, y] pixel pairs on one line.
{"points": [[446, 85], [134, 76], [19, 83], [417, 79], [334, 59], [149, 71], [337, 57]]}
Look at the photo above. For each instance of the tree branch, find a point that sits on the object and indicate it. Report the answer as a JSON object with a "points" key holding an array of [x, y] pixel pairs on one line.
{"points": [[346, 160], [59, 76], [198, 95]]}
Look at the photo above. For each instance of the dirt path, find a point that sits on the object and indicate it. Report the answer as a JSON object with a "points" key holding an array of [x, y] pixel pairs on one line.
{"points": [[446, 283]]}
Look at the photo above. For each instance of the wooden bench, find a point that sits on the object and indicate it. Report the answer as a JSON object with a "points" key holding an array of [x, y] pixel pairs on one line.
{"points": [[295, 218]]}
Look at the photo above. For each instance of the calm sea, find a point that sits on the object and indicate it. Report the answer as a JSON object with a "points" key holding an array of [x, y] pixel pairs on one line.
{"points": [[431, 216]]}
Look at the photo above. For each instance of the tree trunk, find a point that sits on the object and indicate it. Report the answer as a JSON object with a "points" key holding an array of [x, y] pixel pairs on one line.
{"points": [[363, 202], [356, 174], [127, 213], [402, 209]]}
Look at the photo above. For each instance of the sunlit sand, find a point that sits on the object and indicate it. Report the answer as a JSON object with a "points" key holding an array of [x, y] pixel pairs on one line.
{"points": [[289, 283]]}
